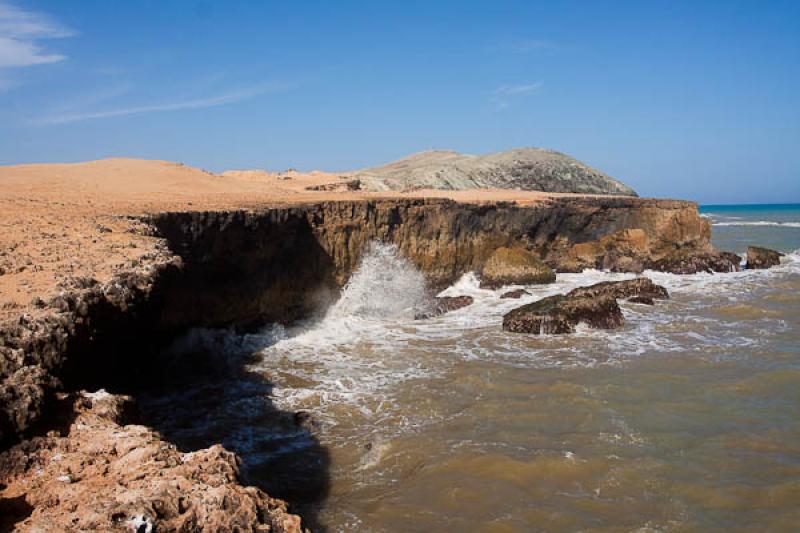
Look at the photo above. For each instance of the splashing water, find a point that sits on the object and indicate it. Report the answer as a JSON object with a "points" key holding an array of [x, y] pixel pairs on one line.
{"points": [[385, 285]]}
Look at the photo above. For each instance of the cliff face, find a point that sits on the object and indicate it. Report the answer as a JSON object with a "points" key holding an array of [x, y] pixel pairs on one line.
{"points": [[275, 265], [283, 263]]}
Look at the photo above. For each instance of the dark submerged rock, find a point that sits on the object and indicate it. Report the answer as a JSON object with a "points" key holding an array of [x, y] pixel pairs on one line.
{"points": [[760, 258]]}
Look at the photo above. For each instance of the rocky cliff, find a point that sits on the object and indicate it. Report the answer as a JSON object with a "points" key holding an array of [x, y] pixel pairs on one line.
{"points": [[527, 169], [235, 268]]}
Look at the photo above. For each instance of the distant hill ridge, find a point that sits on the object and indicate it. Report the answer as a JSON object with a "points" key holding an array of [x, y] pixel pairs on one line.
{"points": [[529, 169]]}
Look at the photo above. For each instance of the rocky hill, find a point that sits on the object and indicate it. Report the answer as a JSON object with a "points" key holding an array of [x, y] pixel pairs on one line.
{"points": [[531, 169]]}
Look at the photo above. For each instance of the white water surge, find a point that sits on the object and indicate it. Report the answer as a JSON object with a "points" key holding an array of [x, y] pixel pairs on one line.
{"points": [[368, 343]]}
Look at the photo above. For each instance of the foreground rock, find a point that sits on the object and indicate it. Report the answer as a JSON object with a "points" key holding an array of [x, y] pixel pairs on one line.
{"points": [[101, 475], [445, 304], [561, 314], [760, 258], [595, 306], [514, 266]]}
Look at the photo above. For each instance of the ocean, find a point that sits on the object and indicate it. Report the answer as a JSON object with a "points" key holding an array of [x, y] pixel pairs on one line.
{"points": [[685, 419]]}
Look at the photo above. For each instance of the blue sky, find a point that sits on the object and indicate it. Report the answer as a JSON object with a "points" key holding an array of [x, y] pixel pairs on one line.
{"points": [[680, 99]]}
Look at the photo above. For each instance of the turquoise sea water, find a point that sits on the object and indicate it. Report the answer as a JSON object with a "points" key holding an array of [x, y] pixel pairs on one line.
{"points": [[734, 227]]}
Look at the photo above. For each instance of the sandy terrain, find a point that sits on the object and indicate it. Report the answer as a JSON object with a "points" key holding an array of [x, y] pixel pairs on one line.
{"points": [[63, 220]]}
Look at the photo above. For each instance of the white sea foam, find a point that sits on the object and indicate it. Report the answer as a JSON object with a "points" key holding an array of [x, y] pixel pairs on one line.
{"points": [[368, 344], [757, 223]]}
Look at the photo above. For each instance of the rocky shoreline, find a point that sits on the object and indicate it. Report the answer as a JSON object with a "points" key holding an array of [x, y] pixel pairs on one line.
{"points": [[241, 268]]}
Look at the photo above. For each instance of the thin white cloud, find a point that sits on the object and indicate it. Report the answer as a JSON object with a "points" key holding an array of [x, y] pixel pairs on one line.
{"points": [[518, 89], [20, 33], [527, 46], [197, 103], [502, 95]]}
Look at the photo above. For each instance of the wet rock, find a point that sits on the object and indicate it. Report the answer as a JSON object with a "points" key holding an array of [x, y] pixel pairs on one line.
{"points": [[631, 288], [646, 300], [561, 314], [516, 294], [445, 304], [305, 419], [760, 258], [515, 266], [690, 262]]}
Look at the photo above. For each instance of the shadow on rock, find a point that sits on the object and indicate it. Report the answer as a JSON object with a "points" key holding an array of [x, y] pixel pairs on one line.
{"points": [[202, 394], [12, 511]]}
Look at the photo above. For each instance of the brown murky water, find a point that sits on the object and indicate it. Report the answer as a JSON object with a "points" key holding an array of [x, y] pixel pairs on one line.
{"points": [[686, 419]]}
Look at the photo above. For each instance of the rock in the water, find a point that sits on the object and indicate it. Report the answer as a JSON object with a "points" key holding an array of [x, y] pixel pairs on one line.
{"points": [[445, 304], [692, 262], [560, 314], [519, 293], [515, 266], [644, 299], [629, 288], [759, 258]]}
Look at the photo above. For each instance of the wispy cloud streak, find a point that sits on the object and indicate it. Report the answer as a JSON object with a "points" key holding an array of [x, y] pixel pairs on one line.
{"points": [[197, 103], [502, 95]]}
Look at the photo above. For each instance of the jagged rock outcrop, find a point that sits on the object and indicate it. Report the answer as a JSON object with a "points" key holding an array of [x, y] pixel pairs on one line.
{"points": [[595, 306], [514, 266], [101, 473], [760, 258], [528, 169]]}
